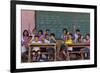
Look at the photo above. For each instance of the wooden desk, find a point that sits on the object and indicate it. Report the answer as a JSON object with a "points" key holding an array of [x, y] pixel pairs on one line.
{"points": [[40, 45], [78, 46]]}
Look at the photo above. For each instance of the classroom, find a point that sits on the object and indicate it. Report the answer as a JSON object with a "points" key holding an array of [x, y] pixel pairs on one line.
{"points": [[54, 36]]}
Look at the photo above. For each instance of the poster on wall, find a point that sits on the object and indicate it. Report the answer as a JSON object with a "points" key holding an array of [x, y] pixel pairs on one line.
{"points": [[52, 36]]}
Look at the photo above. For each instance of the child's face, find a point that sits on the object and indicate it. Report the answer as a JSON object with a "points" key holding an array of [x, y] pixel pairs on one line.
{"points": [[69, 36], [87, 37], [77, 32], [47, 32], [25, 33], [36, 39], [52, 37], [64, 32], [84, 40], [33, 53], [39, 33], [47, 37]]}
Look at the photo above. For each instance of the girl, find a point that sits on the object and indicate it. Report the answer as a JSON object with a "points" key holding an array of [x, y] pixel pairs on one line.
{"points": [[86, 50], [40, 34], [25, 41], [64, 35]]}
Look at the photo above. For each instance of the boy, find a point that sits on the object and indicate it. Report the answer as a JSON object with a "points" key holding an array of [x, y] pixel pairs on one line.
{"points": [[63, 36], [36, 50], [76, 35]]}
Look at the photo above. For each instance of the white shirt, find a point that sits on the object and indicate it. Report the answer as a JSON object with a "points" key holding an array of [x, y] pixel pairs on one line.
{"points": [[36, 48], [46, 41]]}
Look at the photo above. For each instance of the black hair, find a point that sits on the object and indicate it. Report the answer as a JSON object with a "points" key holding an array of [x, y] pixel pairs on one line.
{"points": [[77, 30], [87, 34], [65, 29], [47, 30], [52, 34], [40, 31], [25, 31], [71, 34], [30, 36], [36, 36]]}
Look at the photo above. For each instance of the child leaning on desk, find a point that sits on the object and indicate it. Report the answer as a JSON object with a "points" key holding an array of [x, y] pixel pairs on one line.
{"points": [[36, 50]]}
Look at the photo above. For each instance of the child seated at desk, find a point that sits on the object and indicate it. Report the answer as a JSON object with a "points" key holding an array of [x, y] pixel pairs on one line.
{"points": [[86, 50], [40, 34], [52, 38], [76, 35], [64, 34], [69, 41], [51, 50], [36, 50], [64, 48], [46, 39], [24, 49], [77, 39]]}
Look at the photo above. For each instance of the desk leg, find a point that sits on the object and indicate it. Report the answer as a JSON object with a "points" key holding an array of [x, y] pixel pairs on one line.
{"points": [[82, 57], [55, 53], [68, 56], [29, 54]]}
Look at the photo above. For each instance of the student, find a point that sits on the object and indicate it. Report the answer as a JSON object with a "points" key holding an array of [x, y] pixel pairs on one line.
{"points": [[52, 38], [63, 51], [36, 50], [25, 38], [69, 41], [79, 39], [64, 35], [40, 34], [51, 50], [24, 49], [47, 32], [87, 49], [76, 35], [46, 39], [33, 33]]}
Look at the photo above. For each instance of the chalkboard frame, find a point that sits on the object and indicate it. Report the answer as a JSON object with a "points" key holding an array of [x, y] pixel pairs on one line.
{"points": [[13, 36]]}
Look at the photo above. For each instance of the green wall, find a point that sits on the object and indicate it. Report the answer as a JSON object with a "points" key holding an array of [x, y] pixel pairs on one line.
{"points": [[56, 21]]}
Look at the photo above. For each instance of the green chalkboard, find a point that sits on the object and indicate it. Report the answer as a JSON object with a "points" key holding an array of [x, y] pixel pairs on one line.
{"points": [[56, 21]]}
